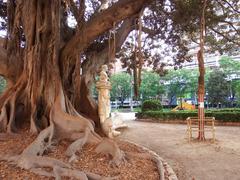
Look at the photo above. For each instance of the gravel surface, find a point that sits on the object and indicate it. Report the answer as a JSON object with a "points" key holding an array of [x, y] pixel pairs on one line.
{"points": [[136, 168], [195, 160]]}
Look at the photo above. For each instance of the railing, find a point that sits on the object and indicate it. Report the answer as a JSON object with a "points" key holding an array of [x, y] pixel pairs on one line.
{"points": [[192, 125]]}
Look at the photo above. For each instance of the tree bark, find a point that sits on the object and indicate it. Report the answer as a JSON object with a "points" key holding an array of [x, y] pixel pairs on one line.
{"points": [[36, 74], [201, 86], [38, 89], [97, 25]]}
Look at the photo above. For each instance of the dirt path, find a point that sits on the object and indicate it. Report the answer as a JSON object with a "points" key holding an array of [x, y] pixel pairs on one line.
{"points": [[199, 161]]}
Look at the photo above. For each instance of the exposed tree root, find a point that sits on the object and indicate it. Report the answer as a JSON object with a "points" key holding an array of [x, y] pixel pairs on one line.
{"points": [[65, 123], [70, 126], [109, 147], [38, 165], [76, 146], [31, 158], [41, 143]]}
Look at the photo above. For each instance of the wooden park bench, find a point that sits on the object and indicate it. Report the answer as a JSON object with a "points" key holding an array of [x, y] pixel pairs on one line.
{"points": [[192, 125]]}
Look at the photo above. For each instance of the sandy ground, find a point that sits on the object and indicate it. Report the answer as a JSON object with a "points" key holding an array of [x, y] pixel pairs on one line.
{"points": [[199, 161]]}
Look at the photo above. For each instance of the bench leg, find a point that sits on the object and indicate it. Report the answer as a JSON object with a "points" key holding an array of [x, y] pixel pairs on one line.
{"points": [[213, 133], [189, 134]]}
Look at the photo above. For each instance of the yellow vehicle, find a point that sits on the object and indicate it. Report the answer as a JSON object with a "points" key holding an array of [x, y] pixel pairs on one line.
{"points": [[185, 106]]}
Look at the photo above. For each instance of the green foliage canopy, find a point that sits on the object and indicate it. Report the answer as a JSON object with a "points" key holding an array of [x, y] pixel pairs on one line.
{"points": [[217, 87], [181, 82], [150, 86], [121, 86]]}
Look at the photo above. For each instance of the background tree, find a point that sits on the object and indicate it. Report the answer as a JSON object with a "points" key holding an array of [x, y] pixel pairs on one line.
{"points": [[217, 88], [238, 94], [232, 70], [181, 83], [150, 86], [230, 67], [121, 86]]}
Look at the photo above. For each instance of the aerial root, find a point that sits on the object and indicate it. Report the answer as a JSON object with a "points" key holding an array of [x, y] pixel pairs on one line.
{"points": [[11, 124], [8, 124], [3, 119], [8, 106]]}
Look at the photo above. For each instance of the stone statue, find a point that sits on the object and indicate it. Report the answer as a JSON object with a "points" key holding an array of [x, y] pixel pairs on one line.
{"points": [[103, 86], [104, 107]]}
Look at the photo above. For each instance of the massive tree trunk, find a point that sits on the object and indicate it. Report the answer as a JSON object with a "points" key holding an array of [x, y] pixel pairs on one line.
{"points": [[35, 67], [44, 80], [39, 84]]}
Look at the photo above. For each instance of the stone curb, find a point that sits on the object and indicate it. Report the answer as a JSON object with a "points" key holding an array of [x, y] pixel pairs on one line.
{"points": [[159, 161]]}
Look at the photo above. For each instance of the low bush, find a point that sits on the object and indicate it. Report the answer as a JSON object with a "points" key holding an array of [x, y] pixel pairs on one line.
{"points": [[182, 115], [224, 110], [227, 116], [151, 105]]}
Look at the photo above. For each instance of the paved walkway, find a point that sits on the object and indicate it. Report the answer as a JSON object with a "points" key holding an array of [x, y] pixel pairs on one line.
{"points": [[199, 161]]}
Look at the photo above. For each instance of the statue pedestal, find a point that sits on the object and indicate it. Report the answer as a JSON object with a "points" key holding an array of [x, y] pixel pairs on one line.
{"points": [[104, 105]]}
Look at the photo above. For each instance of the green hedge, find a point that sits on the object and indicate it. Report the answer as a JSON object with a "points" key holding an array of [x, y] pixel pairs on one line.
{"points": [[182, 115], [224, 110], [151, 105]]}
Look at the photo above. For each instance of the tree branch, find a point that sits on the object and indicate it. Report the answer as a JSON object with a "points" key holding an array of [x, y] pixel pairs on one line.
{"points": [[231, 24], [231, 6], [73, 8], [81, 13], [100, 23], [225, 37], [149, 31], [102, 56]]}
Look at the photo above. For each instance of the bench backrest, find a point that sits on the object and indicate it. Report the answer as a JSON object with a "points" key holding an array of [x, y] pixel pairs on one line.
{"points": [[209, 121]]}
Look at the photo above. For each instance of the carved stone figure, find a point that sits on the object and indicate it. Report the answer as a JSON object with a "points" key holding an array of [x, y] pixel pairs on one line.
{"points": [[103, 86], [104, 106]]}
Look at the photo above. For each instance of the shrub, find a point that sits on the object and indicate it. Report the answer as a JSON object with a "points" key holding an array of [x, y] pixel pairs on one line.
{"points": [[227, 116], [151, 105], [224, 110], [183, 115]]}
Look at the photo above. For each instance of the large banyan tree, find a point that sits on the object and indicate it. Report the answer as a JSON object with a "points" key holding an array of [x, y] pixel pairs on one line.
{"points": [[53, 49]]}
